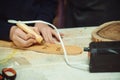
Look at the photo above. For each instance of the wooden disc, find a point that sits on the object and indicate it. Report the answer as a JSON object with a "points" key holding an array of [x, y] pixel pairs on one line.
{"points": [[109, 31]]}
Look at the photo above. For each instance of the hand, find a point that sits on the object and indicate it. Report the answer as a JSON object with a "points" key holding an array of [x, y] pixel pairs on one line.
{"points": [[20, 38], [49, 35]]}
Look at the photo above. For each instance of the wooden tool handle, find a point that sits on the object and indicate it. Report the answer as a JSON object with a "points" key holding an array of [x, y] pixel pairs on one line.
{"points": [[29, 30]]}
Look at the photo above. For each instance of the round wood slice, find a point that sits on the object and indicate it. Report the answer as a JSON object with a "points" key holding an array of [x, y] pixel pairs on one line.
{"points": [[109, 31]]}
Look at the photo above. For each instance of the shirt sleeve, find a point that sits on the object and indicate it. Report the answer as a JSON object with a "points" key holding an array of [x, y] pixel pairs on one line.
{"points": [[4, 30], [47, 10]]}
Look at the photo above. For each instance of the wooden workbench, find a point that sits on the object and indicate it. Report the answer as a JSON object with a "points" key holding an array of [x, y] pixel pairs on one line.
{"points": [[32, 65]]}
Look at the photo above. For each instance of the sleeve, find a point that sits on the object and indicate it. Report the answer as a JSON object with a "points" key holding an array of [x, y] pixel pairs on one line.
{"points": [[4, 30], [47, 10]]}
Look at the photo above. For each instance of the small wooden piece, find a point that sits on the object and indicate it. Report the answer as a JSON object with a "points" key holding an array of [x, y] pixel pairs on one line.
{"points": [[109, 31], [47, 48]]}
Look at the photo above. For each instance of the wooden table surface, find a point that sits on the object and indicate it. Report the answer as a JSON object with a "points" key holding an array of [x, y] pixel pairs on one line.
{"points": [[31, 65]]}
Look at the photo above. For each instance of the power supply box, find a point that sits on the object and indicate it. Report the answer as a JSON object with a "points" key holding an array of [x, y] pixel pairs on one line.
{"points": [[104, 56]]}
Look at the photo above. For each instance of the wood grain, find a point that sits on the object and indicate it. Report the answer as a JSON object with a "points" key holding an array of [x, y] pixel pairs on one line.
{"points": [[109, 31], [47, 48]]}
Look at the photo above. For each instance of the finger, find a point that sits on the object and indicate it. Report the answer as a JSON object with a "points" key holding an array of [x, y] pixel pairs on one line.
{"points": [[36, 30], [12, 30], [56, 35], [29, 42], [30, 36], [47, 36], [61, 34], [19, 42], [21, 34]]}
